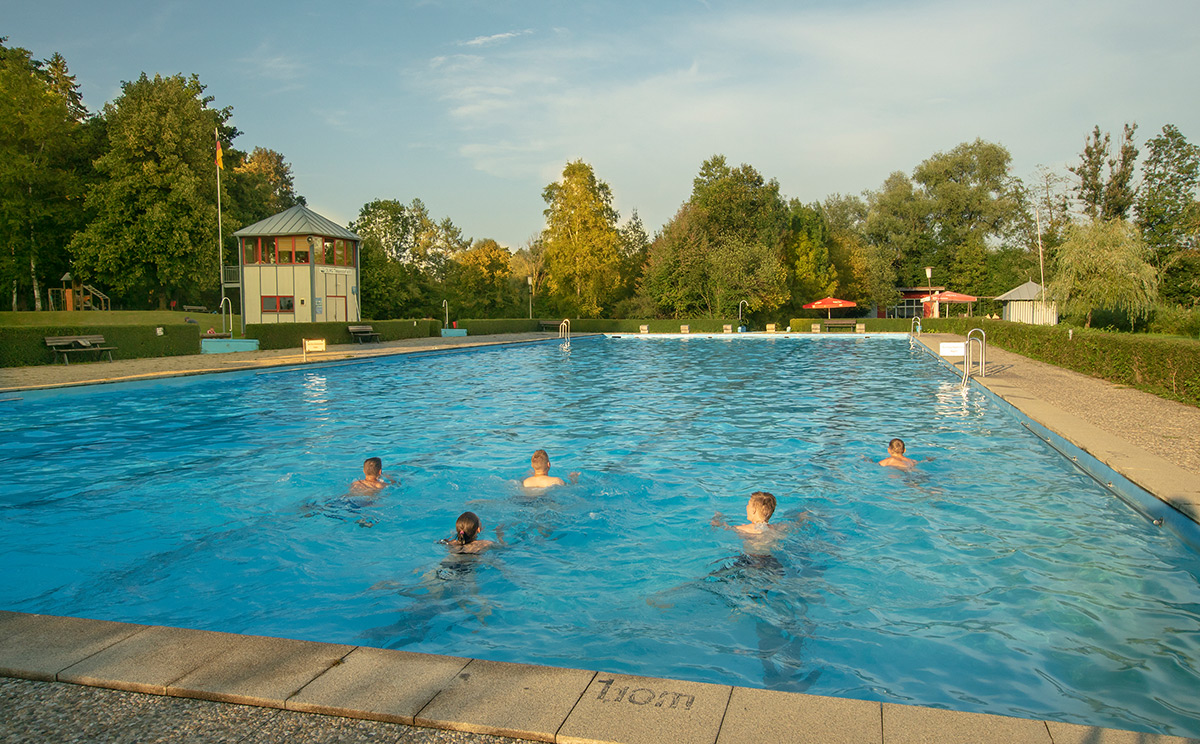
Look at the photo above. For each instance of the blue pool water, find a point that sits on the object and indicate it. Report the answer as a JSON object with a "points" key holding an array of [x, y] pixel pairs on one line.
{"points": [[996, 578]]}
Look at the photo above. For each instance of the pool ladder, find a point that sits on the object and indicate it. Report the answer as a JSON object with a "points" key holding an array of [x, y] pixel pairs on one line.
{"points": [[914, 330], [564, 333], [968, 354]]}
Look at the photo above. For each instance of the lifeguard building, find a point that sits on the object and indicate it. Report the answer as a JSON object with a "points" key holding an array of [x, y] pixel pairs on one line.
{"points": [[298, 267]]}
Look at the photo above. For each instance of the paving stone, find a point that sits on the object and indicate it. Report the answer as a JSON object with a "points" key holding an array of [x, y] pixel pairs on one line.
{"points": [[491, 697], [254, 670], [150, 660], [379, 684], [756, 716], [40, 646], [1070, 733], [646, 710], [909, 724]]}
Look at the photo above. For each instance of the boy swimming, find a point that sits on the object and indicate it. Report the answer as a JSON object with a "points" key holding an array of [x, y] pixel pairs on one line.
{"points": [[759, 510], [541, 469], [896, 458], [373, 478]]}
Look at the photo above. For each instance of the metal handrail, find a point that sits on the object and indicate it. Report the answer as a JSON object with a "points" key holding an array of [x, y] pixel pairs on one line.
{"points": [[564, 332], [225, 301], [968, 357], [914, 328]]}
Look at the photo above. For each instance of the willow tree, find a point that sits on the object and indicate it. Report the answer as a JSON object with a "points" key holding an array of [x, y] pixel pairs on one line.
{"points": [[1104, 264], [583, 245]]}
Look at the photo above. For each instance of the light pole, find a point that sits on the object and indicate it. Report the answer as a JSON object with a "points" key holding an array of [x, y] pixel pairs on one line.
{"points": [[929, 280], [530, 280]]}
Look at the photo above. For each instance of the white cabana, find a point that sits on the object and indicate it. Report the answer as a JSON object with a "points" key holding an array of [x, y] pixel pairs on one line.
{"points": [[1028, 304]]}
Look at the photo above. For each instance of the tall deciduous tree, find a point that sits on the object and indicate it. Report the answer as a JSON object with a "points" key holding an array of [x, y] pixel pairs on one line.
{"points": [[1167, 213], [1110, 196], [271, 176], [1104, 264], [153, 236], [811, 271], [45, 151], [480, 279], [583, 246]]}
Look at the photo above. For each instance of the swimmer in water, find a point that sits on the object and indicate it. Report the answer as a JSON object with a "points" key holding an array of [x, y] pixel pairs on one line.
{"points": [[896, 458], [373, 478], [541, 477], [759, 509], [467, 529]]}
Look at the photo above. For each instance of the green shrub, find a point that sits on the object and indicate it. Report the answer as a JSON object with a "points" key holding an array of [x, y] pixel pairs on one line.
{"points": [[485, 327], [1164, 366], [1175, 321], [874, 325], [25, 346], [633, 325], [289, 335]]}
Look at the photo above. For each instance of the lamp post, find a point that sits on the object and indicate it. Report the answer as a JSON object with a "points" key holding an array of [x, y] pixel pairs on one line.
{"points": [[530, 280], [929, 280]]}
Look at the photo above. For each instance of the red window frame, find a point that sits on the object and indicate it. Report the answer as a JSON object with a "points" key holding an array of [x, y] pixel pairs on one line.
{"points": [[278, 302]]}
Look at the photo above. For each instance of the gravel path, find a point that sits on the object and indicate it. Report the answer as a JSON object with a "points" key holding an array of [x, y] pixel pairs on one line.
{"points": [[65, 714]]}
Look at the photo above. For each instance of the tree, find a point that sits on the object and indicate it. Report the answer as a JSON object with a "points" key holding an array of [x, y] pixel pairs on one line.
{"points": [[1104, 264], [1166, 208], [895, 224], [480, 279], [271, 176], [391, 286], [690, 274], [583, 246], [739, 202], [45, 153], [156, 218], [807, 253], [1106, 198], [972, 204]]}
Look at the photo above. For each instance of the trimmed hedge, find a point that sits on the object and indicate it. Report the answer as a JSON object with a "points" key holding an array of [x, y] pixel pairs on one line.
{"points": [[874, 325], [486, 327], [1167, 367], [695, 325], [25, 346], [289, 335]]}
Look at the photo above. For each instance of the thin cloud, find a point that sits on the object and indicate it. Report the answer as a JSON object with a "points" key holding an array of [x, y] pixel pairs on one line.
{"points": [[479, 41]]}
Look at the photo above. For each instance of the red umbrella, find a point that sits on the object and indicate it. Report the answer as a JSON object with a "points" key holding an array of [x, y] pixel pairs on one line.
{"points": [[828, 304], [949, 297]]}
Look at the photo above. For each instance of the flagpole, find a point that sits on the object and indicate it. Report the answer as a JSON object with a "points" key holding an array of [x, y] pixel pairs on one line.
{"points": [[220, 236]]}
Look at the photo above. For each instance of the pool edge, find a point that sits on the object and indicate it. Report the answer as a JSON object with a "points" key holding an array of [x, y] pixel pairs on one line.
{"points": [[517, 700]]}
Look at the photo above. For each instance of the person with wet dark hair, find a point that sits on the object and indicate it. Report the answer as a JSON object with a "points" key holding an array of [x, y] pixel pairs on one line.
{"points": [[466, 540]]}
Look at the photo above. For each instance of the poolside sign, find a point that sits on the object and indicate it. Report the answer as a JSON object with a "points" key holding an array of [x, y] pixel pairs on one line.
{"points": [[313, 344], [952, 348]]}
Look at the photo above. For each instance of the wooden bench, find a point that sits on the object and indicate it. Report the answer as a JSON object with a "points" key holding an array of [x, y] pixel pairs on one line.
{"points": [[66, 344], [549, 325], [848, 323], [363, 333], [195, 309]]}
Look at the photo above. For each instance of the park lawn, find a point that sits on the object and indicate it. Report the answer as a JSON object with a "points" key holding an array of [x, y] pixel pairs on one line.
{"points": [[115, 317]]}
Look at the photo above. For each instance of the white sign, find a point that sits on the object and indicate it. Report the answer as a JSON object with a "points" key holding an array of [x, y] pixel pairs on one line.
{"points": [[952, 349], [318, 344]]}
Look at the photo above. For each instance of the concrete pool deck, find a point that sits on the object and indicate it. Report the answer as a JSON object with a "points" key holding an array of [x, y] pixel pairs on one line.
{"points": [[133, 682]]}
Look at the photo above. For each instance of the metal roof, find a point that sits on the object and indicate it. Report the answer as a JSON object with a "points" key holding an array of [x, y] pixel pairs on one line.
{"points": [[1030, 290], [299, 220]]}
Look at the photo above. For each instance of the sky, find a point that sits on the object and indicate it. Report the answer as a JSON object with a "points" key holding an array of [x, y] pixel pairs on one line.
{"points": [[475, 106]]}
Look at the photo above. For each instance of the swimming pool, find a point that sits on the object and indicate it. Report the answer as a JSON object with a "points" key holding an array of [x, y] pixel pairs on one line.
{"points": [[996, 579]]}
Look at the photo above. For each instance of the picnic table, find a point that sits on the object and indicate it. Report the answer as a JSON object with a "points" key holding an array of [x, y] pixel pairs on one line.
{"points": [[66, 345]]}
